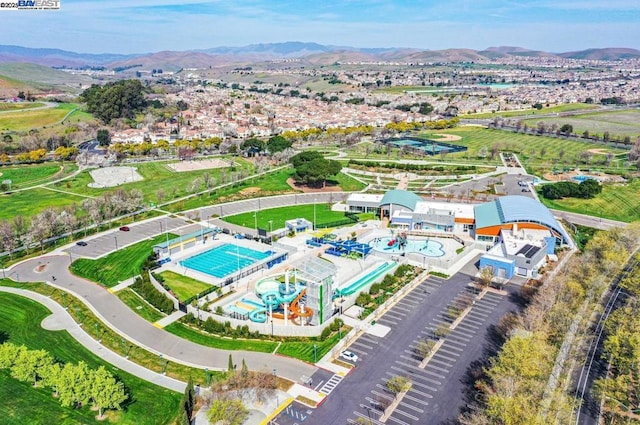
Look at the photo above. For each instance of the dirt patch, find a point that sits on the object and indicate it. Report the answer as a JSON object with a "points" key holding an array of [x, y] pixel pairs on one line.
{"points": [[599, 151], [250, 191], [40, 268], [113, 176], [205, 164], [569, 176], [308, 189], [448, 137]]}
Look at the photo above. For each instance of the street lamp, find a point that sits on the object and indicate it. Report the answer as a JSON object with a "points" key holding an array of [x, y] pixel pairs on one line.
{"points": [[270, 226], [314, 214], [315, 353], [255, 220], [116, 239]]}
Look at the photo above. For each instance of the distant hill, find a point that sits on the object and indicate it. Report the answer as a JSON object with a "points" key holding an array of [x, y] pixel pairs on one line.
{"points": [[607, 54], [311, 53], [38, 79], [56, 57]]}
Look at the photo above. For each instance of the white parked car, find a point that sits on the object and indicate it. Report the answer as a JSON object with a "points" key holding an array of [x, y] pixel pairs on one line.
{"points": [[348, 355]]}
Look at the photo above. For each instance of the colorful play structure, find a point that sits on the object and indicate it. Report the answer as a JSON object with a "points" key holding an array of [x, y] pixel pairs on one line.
{"points": [[280, 300], [399, 242], [340, 248]]}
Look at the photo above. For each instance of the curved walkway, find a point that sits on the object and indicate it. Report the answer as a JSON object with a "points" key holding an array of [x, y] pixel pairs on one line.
{"points": [[135, 329], [61, 320]]}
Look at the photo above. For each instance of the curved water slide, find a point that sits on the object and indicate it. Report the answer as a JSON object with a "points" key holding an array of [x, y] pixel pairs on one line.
{"points": [[273, 299]]}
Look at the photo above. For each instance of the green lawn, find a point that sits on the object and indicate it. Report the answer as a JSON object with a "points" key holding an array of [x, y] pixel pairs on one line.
{"points": [[616, 202], [26, 175], [278, 216], [303, 350], [183, 287], [33, 201], [209, 340], [117, 266], [139, 305], [348, 183], [20, 320]]}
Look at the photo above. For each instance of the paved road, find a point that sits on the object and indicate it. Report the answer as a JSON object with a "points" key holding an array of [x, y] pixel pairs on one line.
{"points": [[589, 221], [128, 324], [61, 320], [437, 393]]}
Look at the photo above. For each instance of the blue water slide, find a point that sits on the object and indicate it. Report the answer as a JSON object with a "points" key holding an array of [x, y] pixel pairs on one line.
{"points": [[259, 315]]}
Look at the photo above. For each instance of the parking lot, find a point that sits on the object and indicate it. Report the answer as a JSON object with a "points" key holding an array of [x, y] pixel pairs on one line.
{"points": [[437, 391], [116, 239]]}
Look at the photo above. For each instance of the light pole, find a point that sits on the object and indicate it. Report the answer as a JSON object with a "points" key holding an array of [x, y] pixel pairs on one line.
{"points": [[315, 353], [116, 239], [270, 226], [368, 409], [255, 220], [314, 214]]}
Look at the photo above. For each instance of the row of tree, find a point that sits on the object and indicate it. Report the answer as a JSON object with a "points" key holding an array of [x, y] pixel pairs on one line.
{"points": [[57, 221], [119, 99], [586, 189], [143, 286], [515, 386], [73, 384]]}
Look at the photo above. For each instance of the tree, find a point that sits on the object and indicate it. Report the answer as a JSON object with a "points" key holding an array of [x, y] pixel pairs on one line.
{"points": [[424, 347], [398, 384], [312, 168], [103, 137], [189, 400], [120, 99], [106, 391], [74, 385], [227, 412], [7, 238], [9, 352], [485, 277], [230, 367], [278, 144], [29, 365], [566, 129]]}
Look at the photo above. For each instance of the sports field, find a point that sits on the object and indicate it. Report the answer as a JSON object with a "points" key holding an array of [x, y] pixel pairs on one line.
{"points": [[523, 112], [278, 216], [20, 320], [25, 175], [617, 123]]}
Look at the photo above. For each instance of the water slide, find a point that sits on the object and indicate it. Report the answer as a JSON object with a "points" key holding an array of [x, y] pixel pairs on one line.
{"points": [[366, 279], [273, 295]]}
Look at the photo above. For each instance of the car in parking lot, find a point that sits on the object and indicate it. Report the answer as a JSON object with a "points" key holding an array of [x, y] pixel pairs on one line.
{"points": [[348, 355], [124, 229], [81, 243]]}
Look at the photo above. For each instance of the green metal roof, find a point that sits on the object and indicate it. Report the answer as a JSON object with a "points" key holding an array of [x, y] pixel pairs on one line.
{"points": [[202, 232], [401, 197], [487, 214]]}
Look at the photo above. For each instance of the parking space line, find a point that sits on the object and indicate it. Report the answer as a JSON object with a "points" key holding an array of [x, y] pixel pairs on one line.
{"points": [[451, 347], [403, 413], [417, 400], [423, 394], [448, 352], [396, 420], [388, 321], [358, 342]]}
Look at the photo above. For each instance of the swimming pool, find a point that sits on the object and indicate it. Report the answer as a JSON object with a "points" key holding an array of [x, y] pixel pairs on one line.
{"points": [[426, 247], [580, 178], [224, 260]]}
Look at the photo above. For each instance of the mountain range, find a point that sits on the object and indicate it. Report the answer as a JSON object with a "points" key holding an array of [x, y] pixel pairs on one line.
{"points": [[313, 53]]}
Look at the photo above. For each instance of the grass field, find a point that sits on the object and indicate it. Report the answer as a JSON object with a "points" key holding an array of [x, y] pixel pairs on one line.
{"points": [[616, 202], [617, 123], [278, 216], [28, 120], [19, 106], [31, 202], [208, 340], [523, 112], [303, 350], [139, 305], [117, 266], [22, 404], [530, 148], [183, 287], [25, 175]]}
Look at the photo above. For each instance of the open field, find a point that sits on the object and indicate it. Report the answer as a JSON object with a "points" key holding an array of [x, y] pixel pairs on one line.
{"points": [[22, 404], [117, 266], [183, 287], [616, 202], [617, 123], [31, 202], [28, 120], [523, 112], [26, 175], [534, 151], [278, 216], [19, 106]]}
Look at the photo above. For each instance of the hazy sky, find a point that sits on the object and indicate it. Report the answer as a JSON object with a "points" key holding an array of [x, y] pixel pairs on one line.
{"points": [[130, 26]]}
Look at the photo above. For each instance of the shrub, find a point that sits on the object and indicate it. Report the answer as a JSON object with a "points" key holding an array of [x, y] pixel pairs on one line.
{"points": [[145, 288]]}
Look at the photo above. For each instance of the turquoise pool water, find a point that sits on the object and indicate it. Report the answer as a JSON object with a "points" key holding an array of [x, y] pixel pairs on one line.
{"points": [[428, 248], [224, 260]]}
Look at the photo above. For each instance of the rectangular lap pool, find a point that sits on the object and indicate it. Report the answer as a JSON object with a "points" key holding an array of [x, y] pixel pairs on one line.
{"points": [[224, 260]]}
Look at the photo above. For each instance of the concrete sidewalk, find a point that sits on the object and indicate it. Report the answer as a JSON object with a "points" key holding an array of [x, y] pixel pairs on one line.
{"points": [[61, 320], [173, 317]]}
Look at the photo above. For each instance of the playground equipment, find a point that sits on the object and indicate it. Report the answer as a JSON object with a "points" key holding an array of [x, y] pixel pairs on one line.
{"points": [[399, 241], [274, 295]]}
